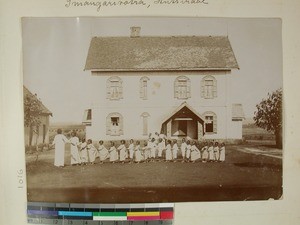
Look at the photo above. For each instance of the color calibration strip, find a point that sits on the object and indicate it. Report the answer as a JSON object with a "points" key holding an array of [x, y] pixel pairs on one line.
{"points": [[102, 214]]}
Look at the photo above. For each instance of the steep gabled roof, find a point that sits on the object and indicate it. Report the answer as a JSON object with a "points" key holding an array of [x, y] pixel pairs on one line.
{"points": [[45, 110], [160, 53]]}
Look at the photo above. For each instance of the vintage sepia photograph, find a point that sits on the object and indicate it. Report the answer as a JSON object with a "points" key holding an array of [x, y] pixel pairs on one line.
{"points": [[132, 110]]}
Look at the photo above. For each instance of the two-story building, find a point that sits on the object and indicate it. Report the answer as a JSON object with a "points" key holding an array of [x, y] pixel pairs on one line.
{"points": [[176, 85]]}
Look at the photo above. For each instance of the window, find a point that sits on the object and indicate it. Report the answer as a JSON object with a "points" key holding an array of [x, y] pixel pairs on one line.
{"points": [[114, 90], [210, 122], [114, 124], [182, 88], [145, 116], [209, 87], [87, 117], [143, 88]]}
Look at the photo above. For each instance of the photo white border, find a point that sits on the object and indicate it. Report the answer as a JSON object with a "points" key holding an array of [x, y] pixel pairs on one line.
{"points": [[13, 199]]}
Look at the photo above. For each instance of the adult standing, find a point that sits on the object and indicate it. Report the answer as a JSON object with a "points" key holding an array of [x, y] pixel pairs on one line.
{"points": [[75, 157], [59, 141]]}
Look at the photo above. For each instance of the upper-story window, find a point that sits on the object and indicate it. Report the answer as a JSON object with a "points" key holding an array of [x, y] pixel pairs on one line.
{"points": [[209, 87], [210, 122], [144, 88], [114, 89], [182, 87]]}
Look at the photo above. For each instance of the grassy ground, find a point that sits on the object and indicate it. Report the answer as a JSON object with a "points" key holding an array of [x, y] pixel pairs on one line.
{"points": [[244, 175]]}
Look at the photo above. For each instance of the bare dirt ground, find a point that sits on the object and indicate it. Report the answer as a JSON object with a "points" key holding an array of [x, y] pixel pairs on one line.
{"points": [[245, 175]]}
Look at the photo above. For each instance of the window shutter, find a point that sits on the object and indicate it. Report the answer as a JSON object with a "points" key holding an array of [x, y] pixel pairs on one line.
{"points": [[141, 89], [188, 88], [203, 88], [120, 89], [108, 125], [214, 87], [108, 89], [215, 123], [121, 125], [176, 88]]}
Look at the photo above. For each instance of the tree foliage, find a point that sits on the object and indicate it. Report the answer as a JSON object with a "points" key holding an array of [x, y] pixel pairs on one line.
{"points": [[32, 111], [269, 114]]}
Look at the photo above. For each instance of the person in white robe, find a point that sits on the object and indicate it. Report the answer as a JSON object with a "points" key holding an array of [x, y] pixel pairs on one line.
{"points": [[222, 153], [183, 149], [188, 150], [168, 151], [195, 152], [210, 152], [83, 152], [103, 152], [75, 156], [131, 149], [175, 150], [92, 151], [160, 147], [145, 151], [113, 154], [216, 152], [204, 152], [59, 142], [137, 153], [122, 151], [153, 148]]}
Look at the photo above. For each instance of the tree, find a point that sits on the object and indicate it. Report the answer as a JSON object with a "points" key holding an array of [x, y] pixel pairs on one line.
{"points": [[32, 113], [269, 115]]}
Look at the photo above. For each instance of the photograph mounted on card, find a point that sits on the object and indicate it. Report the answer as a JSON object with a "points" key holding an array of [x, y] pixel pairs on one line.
{"points": [[120, 110]]}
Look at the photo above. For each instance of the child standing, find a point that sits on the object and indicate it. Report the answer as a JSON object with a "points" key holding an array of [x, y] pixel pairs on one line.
{"points": [[153, 147], [113, 153], [210, 152], [92, 151], [103, 152], [183, 149], [83, 152], [131, 149], [216, 152], [195, 152], [161, 146], [146, 151], [168, 151], [188, 151], [122, 151], [175, 150], [222, 153], [204, 152], [75, 157], [138, 155]]}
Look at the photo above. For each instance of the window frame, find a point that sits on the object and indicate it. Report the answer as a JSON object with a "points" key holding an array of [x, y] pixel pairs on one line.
{"points": [[178, 86]]}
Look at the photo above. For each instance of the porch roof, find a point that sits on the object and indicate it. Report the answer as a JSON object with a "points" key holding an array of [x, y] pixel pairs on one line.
{"points": [[184, 104]]}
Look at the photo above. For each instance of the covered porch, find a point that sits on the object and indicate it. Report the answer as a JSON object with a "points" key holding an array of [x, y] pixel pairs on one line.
{"points": [[184, 122]]}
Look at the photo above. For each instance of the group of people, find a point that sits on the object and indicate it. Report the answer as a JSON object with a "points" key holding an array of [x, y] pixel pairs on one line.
{"points": [[156, 148]]}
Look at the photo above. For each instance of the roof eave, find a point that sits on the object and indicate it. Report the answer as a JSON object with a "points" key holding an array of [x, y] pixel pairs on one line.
{"points": [[159, 69]]}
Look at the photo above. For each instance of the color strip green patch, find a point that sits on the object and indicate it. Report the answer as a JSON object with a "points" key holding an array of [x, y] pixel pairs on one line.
{"points": [[109, 213]]}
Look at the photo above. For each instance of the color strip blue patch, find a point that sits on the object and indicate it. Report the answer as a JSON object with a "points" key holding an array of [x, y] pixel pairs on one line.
{"points": [[74, 213]]}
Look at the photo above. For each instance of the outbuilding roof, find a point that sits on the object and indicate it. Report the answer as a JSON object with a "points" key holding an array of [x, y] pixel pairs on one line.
{"points": [[45, 110], [160, 53]]}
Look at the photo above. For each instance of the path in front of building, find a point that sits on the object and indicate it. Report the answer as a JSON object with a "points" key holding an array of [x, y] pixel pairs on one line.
{"points": [[246, 175]]}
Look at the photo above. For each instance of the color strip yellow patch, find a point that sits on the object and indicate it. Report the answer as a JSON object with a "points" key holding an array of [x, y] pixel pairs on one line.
{"points": [[143, 213]]}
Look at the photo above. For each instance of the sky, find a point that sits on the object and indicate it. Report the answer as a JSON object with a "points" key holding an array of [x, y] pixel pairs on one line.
{"points": [[55, 50]]}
